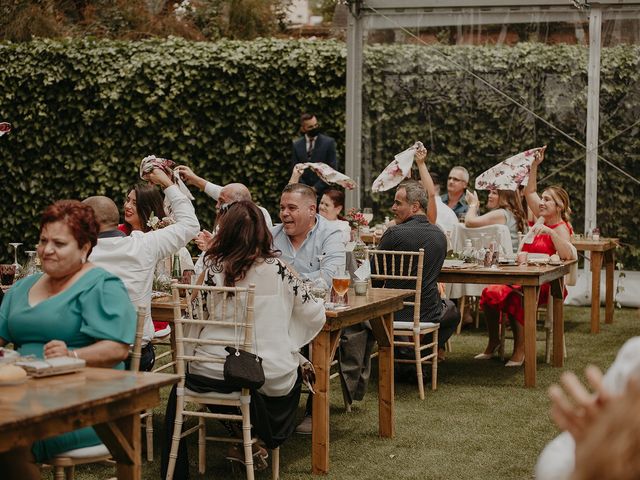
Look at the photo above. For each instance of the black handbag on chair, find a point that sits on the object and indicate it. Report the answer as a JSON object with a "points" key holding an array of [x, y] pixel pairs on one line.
{"points": [[243, 369]]}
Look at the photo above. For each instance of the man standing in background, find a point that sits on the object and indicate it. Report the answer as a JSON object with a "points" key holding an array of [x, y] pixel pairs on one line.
{"points": [[313, 147]]}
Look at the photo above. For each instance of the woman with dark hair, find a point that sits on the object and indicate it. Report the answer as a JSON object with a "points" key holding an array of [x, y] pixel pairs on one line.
{"points": [[286, 317], [143, 202], [72, 309], [505, 208], [550, 234], [144, 211]]}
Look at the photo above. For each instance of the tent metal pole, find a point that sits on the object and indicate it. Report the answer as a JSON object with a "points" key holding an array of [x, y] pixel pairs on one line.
{"points": [[353, 127], [593, 119]]}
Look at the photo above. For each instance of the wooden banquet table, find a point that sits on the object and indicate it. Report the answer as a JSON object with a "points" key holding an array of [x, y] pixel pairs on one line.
{"points": [[109, 400], [601, 250], [377, 307], [530, 278]]}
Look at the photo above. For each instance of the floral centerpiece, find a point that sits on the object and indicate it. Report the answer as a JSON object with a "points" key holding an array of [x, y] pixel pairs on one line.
{"points": [[356, 219]]}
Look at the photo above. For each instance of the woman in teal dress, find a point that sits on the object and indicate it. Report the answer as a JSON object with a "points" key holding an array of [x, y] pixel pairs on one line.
{"points": [[72, 309]]}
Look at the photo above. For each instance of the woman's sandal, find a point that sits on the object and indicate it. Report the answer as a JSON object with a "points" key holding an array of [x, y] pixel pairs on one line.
{"points": [[260, 455]]}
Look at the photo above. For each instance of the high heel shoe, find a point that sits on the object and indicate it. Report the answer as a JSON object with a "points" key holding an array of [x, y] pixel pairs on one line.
{"points": [[487, 356], [512, 363]]}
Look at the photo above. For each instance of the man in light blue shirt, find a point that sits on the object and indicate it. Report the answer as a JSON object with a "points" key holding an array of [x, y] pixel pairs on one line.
{"points": [[310, 244]]}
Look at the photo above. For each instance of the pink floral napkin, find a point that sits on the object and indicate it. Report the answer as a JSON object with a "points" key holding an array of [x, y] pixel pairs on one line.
{"points": [[5, 128], [329, 175], [508, 174], [397, 170], [149, 163]]}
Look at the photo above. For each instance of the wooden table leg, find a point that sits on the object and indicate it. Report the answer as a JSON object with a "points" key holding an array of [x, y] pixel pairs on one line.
{"points": [[321, 358], [530, 303], [122, 438], [383, 330], [596, 266], [557, 288], [609, 262]]}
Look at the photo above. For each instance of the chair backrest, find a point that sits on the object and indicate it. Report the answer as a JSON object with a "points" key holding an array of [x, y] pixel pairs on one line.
{"points": [[500, 232], [225, 313], [136, 352], [389, 265]]}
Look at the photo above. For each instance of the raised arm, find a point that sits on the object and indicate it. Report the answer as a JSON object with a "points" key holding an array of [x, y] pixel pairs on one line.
{"points": [[427, 183], [172, 238], [297, 172], [473, 220], [530, 191], [190, 178]]}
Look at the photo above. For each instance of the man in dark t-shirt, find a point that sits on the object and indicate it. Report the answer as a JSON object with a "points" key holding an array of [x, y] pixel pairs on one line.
{"points": [[411, 233]]}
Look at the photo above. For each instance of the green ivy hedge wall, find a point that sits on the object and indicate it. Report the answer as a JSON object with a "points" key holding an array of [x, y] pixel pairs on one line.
{"points": [[85, 112]]}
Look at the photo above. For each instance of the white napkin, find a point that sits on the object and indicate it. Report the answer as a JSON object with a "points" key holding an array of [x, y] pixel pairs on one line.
{"points": [[150, 162], [397, 170], [329, 175]]}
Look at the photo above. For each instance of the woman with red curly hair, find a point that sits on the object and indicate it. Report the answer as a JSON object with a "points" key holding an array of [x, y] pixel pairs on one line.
{"points": [[72, 309]]}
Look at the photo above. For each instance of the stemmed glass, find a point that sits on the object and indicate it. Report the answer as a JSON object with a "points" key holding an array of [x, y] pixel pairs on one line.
{"points": [[15, 246], [367, 213], [340, 283]]}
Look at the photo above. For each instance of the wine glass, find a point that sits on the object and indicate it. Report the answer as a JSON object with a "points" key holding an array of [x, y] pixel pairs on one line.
{"points": [[367, 213], [340, 283], [15, 246]]}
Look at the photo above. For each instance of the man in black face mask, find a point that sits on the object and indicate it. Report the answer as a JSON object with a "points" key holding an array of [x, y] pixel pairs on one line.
{"points": [[313, 147]]}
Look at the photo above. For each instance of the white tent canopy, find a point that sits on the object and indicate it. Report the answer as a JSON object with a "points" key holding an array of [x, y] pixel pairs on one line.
{"points": [[366, 15]]}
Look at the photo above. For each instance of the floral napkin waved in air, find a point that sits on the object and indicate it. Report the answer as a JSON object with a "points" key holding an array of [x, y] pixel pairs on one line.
{"points": [[329, 175], [397, 170], [149, 163], [510, 173], [5, 128]]}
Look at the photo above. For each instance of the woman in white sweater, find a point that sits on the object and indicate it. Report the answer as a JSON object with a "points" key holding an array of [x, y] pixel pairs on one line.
{"points": [[286, 317]]}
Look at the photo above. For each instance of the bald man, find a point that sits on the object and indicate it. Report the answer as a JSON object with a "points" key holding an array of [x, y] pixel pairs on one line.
{"points": [[134, 258], [232, 192]]}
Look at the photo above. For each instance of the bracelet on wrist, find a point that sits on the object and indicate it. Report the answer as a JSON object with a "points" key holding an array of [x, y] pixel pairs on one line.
{"points": [[75, 354]]}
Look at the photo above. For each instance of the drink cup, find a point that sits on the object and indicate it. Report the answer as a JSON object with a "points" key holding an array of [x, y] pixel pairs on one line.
{"points": [[7, 273], [522, 258], [360, 287]]}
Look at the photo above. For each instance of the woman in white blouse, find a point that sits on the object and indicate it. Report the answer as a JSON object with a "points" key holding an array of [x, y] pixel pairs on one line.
{"points": [[286, 317]]}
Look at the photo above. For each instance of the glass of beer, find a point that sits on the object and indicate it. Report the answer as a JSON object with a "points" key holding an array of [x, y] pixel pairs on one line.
{"points": [[340, 284], [7, 273]]}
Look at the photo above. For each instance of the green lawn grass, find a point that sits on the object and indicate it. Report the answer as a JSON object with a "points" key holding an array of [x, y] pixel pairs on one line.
{"points": [[481, 423]]}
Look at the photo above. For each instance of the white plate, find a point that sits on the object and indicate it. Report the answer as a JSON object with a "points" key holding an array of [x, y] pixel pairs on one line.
{"points": [[538, 258], [453, 263]]}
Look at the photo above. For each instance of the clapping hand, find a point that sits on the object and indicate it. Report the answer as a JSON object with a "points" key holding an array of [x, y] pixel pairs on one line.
{"points": [[472, 198], [574, 409], [203, 239]]}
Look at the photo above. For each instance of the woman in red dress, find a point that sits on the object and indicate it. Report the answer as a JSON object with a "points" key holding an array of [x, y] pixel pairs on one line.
{"points": [[552, 235]]}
